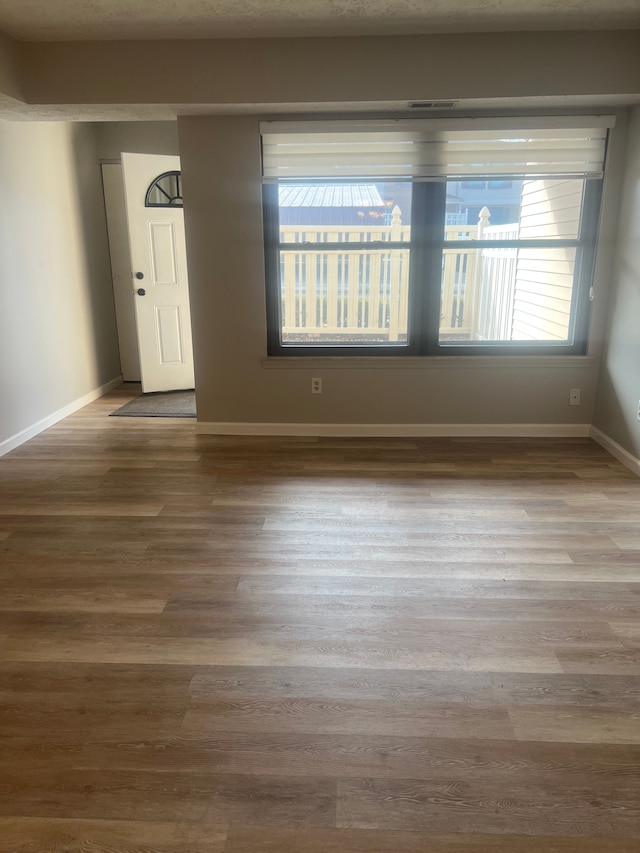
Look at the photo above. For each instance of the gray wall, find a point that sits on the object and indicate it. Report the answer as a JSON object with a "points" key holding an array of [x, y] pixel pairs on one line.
{"points": [[10, 79], [57, 329], [618, 394], [136, 137], [223, 217], [306, 70]]}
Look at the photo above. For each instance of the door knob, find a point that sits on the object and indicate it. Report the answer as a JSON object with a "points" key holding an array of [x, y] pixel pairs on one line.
{"points": [[141, 291], [139, 275]]}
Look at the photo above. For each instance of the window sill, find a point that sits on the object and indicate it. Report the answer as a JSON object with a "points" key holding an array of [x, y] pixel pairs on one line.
{"points": [[455, 362]]}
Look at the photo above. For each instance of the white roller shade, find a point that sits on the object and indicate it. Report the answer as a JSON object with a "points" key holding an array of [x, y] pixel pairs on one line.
{"points": [[427, 149]]}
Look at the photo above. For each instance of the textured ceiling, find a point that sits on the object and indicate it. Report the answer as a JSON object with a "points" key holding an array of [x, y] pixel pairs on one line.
{"points": [[79, 20]]}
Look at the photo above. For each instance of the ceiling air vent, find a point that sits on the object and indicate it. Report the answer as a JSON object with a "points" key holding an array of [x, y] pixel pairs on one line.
{"points": [[432, 105]]}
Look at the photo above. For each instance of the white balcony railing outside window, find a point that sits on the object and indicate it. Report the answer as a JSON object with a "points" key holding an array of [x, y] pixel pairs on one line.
{"points": [[361, 296]]}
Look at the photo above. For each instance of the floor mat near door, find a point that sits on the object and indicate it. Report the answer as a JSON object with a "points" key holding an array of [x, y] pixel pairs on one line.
{"points": [[169, 404]]}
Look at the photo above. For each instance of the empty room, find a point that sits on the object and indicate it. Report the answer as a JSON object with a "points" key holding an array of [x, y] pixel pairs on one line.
{"points": [[319, 426]]}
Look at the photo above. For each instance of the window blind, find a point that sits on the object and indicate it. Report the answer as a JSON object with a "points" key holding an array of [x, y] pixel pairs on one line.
{"points": [[432, 149]]}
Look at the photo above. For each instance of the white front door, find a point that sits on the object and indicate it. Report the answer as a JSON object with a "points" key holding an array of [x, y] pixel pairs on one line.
{"points": [[159, 282]]}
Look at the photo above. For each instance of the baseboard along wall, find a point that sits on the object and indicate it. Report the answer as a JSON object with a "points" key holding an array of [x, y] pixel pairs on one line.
{"points": [[352, 430], [19, 438], [632, 462], [397, 430]]}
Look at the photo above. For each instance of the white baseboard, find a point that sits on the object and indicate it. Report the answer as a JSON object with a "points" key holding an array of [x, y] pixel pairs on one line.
{"points": [[30, 432], [632, 462], [397, 430]]}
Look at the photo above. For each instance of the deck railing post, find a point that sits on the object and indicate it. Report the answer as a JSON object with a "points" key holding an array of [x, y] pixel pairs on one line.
{"points": [[475, 296], [484, 220]]}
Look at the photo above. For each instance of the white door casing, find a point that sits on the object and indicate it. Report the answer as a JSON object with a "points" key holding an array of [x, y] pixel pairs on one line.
{"points": [[123, 292], [161, 296]]}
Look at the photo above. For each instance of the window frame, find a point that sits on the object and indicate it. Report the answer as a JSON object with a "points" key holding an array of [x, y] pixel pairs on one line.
{"points": [[273, 246], [585, 245], [426, 247]]}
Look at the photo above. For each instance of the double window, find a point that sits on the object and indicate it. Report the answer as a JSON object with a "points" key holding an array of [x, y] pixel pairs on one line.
{"points": [[431, 237]]}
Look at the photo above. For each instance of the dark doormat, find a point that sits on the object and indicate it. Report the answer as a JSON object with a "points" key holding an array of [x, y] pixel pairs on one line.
{"points": [[165, 404]]}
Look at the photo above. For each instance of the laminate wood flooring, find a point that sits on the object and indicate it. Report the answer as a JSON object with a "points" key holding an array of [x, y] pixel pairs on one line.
{"points": [[291, 645]]}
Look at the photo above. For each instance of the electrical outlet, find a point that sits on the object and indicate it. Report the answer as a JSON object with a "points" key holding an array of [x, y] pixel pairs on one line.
{"points": [[316, 385], [574, 397]]}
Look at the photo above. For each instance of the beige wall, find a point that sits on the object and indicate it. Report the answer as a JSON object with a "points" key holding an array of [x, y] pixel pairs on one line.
{"points": [[223, 216], [307, 70], [618, 394], [57, 328]]}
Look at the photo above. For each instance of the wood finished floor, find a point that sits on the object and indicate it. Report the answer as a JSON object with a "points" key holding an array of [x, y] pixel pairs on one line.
{"points": [[217, 645]]}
